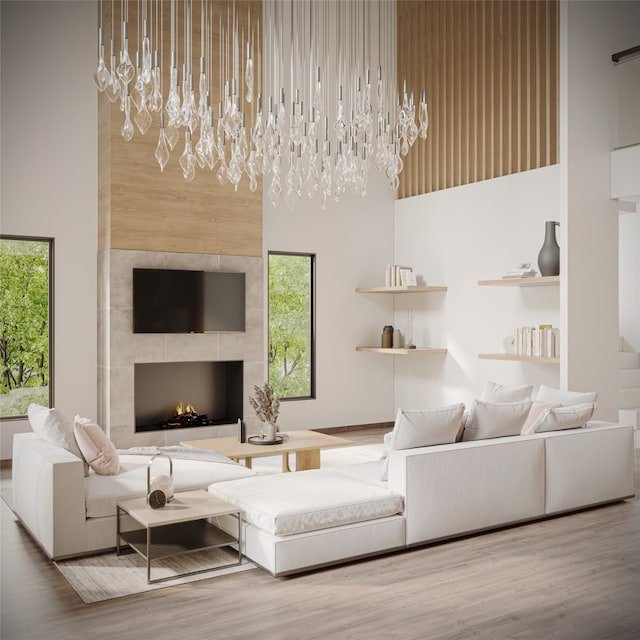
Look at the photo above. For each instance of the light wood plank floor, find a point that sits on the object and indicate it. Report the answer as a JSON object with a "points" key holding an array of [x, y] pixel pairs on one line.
{"points": [[575, 577]]}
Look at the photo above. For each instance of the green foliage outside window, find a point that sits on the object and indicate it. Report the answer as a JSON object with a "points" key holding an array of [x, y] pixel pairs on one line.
{"points": [[291, 325], [24, 325]]}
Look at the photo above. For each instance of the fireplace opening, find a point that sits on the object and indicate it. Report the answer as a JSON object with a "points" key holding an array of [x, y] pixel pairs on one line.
{"points": [[213, 390]]}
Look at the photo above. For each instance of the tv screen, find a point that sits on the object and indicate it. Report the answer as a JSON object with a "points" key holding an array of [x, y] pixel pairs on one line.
{"points": [[182, 301]]}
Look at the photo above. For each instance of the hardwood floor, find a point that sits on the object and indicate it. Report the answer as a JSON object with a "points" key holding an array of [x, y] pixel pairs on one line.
{"points": [[574, 577]]}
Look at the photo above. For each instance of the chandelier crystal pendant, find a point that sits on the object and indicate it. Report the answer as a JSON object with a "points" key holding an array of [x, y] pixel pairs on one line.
{"points": [[332, 110]]}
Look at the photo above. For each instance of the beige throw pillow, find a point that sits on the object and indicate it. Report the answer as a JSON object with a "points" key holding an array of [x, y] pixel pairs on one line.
{"points": [[96, 447], [574, 416]]}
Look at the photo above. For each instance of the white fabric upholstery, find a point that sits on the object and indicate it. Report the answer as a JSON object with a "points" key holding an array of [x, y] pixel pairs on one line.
{"points": [[447, 490], [286, 504], [49, 497], [495, 419], [470, 486], [281, 555], [558, 418], [564, 397], [588, 466], [494, 392], [104, 492]]}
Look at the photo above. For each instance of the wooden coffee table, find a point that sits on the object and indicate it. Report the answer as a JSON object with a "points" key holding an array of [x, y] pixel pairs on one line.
{"points": [[305, 444]]}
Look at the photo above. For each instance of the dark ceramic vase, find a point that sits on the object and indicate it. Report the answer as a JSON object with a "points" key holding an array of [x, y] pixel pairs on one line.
{"points": [[549, 256]]}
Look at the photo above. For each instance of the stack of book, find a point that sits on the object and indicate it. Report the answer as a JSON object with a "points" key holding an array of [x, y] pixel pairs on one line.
{"points": [[399, 276], [523, 271], [538, 342]]}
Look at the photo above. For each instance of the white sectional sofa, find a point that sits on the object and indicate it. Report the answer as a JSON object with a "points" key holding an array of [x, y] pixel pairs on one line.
{"points": [[433, 493], [69, 514], [307, 519]]}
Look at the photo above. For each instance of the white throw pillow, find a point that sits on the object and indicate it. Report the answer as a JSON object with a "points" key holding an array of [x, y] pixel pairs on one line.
{"points": [[536, 410], [495, 419], [565, 398], [424, 428], [56, 428], [96, 447], [494, 392], [573, 416]]}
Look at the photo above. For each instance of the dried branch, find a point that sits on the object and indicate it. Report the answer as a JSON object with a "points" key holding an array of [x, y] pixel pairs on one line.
{"points": [[265, 403]]}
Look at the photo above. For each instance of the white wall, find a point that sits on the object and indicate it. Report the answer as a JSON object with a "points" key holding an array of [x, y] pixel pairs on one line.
{"points": [[49, 176], [629, 279], [353, 243], [456, 237], [589, 33]]}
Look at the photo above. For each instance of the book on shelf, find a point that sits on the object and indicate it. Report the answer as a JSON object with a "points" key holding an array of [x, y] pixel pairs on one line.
{"points": [[398, 275], [537, 342]]}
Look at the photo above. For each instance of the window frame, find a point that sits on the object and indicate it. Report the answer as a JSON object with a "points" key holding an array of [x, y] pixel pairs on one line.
{"points": [[312, 323], [50, 292]]}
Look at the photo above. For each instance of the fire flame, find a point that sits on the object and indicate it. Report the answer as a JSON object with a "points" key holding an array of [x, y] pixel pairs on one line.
{"points": [[182, 409]]}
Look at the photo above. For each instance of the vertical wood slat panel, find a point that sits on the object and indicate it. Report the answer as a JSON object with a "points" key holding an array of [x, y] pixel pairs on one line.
{"points": [[490, 70]]}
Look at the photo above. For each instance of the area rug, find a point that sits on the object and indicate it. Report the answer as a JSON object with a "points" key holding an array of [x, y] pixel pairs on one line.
{"points": [[106, 576]]}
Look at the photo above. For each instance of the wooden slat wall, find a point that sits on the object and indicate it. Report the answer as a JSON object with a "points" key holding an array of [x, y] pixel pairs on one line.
{"points": [[490, 69], [141, 208]]}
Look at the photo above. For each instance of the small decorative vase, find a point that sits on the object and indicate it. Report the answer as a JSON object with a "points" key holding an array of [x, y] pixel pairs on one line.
{"points": [[270, 431], [549, 256]]}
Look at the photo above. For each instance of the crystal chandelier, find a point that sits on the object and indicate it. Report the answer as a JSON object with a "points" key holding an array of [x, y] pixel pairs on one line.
{"points": [[330, 110]]}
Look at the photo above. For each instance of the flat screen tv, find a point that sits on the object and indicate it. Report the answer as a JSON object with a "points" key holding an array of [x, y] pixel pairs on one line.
{"points": [[183, 301]]}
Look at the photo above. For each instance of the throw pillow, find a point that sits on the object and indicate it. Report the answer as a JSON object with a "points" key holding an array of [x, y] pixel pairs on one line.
{"points": [[96, 447], [573, 416], [565, 398], [495, 419], [424, 428], [494, 392], [536, 409], [56, 428]]}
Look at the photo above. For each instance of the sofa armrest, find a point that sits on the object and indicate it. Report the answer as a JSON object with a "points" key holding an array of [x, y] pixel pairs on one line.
{"points": [[465, 487], [49, 494]]}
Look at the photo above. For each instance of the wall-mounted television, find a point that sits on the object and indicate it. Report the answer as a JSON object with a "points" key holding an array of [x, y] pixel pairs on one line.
{"points": [[183, 301]]}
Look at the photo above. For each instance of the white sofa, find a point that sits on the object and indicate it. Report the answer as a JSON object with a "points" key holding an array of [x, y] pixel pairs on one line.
{"points": [[69, 514], [444, 491]]}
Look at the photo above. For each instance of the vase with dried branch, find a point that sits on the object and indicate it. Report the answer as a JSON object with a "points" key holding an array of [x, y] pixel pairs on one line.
{"points": [[267, 407]]}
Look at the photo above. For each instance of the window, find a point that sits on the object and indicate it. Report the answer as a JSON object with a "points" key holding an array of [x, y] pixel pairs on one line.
{"points": [[292, 324], [25, 324]]}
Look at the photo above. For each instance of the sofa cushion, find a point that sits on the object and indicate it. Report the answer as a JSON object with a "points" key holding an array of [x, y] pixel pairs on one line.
{"points": [[537, 408], [424, 428], [495, 419], [290, 503], [556, 418], [494, 392], [565, 398], [104, 492], [56, 428], [96, 447]]}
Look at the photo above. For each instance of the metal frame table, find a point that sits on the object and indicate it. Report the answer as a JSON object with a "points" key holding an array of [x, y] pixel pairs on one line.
{"points": [[181, 526]]}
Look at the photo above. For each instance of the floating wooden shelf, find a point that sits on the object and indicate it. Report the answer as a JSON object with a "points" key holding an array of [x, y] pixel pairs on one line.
{"points": [[401, 351], [416, 289], [541, 281], [516, 358]]}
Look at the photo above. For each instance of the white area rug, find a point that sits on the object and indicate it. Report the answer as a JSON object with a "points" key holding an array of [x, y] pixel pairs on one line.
{"points": [[329, 458], [106, 576]]}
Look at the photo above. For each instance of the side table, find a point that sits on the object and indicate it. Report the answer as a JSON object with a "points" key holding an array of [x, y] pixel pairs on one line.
{"points": [[182, 526]]}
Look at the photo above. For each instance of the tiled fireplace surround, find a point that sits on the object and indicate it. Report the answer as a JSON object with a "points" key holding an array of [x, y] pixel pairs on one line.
{"points": [[119, 349]]}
